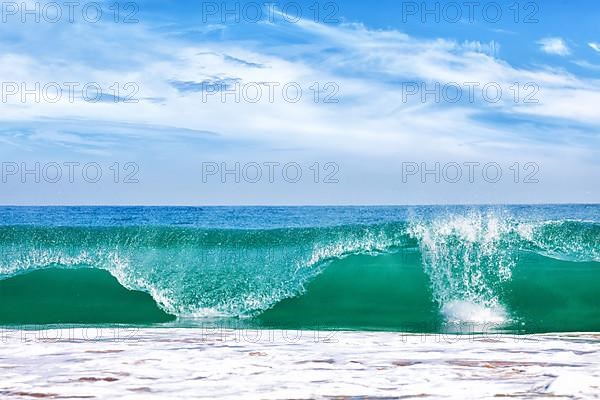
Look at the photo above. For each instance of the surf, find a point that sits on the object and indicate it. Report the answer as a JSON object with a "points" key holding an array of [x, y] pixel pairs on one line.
{"points": [[419, 273]]}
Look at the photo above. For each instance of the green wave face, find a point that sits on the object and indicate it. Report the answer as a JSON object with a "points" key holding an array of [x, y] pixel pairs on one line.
{"points": [[389, 291], [84, 295], [421, 275], [393, 292]]}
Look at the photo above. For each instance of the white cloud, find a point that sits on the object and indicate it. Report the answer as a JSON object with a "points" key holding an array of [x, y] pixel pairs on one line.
{"points": [[367, 65], [554, 45], [595, 46], [371, 120], [587, 65]]}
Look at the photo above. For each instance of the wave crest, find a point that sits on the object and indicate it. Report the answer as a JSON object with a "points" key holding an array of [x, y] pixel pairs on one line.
{"points": [[208, 272]]}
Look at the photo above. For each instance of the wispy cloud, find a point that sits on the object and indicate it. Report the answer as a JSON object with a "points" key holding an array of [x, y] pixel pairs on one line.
{"points": [[368, 66], [554, 45], [587, 65], [595, 46], [371, 123]]}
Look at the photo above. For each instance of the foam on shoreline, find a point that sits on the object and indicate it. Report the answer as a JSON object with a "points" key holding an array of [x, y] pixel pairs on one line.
{"points": [[270, 364]]}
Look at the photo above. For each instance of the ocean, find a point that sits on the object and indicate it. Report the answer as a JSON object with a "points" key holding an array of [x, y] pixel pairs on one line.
{"points": [[420, 269]]}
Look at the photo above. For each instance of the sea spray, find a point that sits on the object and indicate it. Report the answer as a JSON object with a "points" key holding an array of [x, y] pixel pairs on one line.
{"points": [[467, 258], [466, 262]]}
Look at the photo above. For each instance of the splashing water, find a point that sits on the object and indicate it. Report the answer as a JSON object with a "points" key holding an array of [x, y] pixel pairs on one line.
{"points": [[467, 257]]}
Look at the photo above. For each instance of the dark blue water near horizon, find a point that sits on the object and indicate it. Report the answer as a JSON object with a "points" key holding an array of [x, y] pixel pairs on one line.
{"points": [[270, 217]]}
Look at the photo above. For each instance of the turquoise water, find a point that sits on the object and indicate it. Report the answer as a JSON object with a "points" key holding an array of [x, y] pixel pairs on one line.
{"points": [[518, 268]]}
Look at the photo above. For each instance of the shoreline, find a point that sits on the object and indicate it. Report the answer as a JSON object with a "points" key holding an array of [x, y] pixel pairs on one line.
{"points": [[274, 364]]}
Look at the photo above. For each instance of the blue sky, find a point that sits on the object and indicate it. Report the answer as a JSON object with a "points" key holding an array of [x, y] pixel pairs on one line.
{"points": [[180, 58]]}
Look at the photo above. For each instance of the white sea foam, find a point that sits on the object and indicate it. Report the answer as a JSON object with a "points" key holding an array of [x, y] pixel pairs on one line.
{"points": [[464, 311], [467, 258], [232, 364]]}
